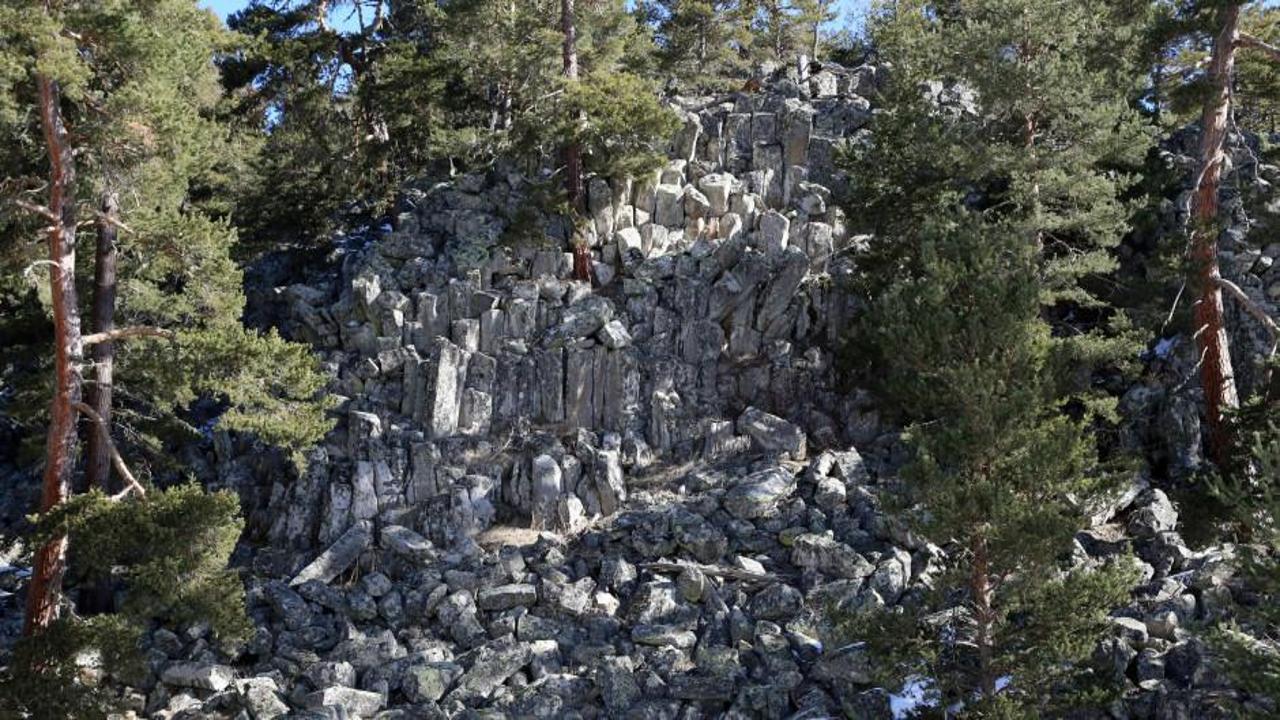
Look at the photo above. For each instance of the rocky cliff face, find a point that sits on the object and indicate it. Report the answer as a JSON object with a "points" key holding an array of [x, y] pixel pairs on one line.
{"points": [[479, 381]]}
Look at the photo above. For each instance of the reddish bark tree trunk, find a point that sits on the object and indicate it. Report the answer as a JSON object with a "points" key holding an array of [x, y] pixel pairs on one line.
{"points": [[45, 591], [1216, 375], [983, 617], [98, 394]]}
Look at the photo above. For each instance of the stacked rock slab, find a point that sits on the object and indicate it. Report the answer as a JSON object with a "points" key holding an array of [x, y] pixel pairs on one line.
{"points": [[478, 379]]}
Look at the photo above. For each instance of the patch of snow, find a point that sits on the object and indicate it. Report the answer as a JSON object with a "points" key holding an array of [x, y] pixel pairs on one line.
{"points": [[916, 693]]}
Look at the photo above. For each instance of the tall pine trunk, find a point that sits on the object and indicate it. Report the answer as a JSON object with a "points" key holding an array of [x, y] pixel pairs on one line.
{"points": [[573, 184], [44, 594], [98, 393], [1216, 375], [572, 151]]}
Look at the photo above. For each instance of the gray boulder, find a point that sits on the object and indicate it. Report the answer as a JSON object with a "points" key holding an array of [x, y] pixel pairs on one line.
{"points": [[404, 542], [758, 494], [492, 665], [428, 682], [505, 597], [339, 556], [1155, 514], [771, 434], [356, 703], [830, 557], [201, 676]]}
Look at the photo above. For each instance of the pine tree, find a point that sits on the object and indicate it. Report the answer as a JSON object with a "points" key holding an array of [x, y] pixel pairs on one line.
{"points": [[123, 94], [318, 82], [168, 551], [996, 473], [1257, 82], [1246, 644], [1048, 135], [993, 183], [704, 43], [457, 84], [813, 14], [1213, 30]]}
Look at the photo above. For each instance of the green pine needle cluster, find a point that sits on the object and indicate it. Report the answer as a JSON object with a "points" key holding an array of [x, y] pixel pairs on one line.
{"points": [[166, 553]]}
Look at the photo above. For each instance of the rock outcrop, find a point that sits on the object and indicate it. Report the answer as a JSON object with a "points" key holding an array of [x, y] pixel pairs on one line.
{"points": [[480, 383]]}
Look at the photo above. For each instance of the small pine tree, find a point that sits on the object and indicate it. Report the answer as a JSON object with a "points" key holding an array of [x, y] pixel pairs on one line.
{"points": [[616, 118], [779, 30], [1023, 113], [993, 182], [167, 551]]}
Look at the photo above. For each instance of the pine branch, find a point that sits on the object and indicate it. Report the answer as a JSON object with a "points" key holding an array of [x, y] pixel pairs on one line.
{"points": [[108, 220], [1254, 309], [132, 484], [322, 16], [1251, 307], [41, 210], [126, 333], [1249, 41]]}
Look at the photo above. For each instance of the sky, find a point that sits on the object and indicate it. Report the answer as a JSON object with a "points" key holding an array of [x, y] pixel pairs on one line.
{"points": [[846, 8]]}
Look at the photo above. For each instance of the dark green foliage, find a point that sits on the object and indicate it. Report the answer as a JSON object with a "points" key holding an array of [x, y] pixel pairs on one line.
{"points": [[1049, 632], [1248, 645], [1024, 117], [167, 552], [614, 116], [347, 115], [168, 549], [781, 29], [994, 182], [142, 98], [1257, 90], [264, 384], [1018, 112], [704, 43], [309, 94], [47, 677], [995, 465], [1179, 42], [145, 105]]}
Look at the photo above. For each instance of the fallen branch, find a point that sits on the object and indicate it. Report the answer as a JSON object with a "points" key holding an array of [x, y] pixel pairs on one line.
{"points": [[712, 570], [1249, 41], [132, 484], [126, 333]]}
